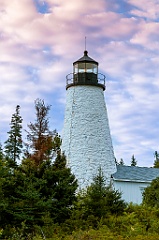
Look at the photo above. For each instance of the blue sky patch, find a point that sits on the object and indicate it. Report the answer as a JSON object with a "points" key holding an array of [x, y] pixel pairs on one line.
{"points": [[42, 6]]}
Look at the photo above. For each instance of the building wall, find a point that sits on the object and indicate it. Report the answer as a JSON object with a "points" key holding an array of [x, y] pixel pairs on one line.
{"points": [[131, 191], [86, 139]]}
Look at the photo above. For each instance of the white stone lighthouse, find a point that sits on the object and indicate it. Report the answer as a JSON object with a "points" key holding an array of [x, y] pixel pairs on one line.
{"points": [[86, 139]]}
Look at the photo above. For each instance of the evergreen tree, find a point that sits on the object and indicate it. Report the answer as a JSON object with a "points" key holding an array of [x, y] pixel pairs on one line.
{"points": [[151, 194], [64, 186], [13, 145], [39, 136], [96, 196], [133, 161], [41, 184], [1, 152], [6, 189], [32, 192], [156, 162], [121, 162], [99, 200], [116, 162]]}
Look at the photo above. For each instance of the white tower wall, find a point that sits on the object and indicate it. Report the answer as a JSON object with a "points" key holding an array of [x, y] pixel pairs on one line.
{"points": [[86, 138]]}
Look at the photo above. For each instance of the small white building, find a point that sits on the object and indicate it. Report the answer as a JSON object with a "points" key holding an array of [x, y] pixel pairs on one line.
{"points": [[131, 181]]}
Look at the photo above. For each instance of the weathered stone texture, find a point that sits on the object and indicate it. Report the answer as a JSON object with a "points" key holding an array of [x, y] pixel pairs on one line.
{"points": [[86, 136]]}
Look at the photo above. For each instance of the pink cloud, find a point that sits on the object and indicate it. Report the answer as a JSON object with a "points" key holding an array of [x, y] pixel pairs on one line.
{"points": [[147, 9], [23, 25], [147, 36]]}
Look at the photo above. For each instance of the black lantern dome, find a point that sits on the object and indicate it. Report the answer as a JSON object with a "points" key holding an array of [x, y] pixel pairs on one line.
{"points": [[85, 72]]}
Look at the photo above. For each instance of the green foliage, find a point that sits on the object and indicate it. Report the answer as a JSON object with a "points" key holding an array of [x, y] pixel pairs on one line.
{"points": [[151, 194], [1, 152], [121, 162], [32, 192], [4, 175], [136, 223], [156, 162], [133, 161], [131, 225], [97, 202], [116, 162], [13, 145], [38, 197], [102, 199], [41, 185]]}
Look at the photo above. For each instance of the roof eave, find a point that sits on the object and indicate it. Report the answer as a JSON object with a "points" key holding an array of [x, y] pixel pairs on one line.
{"points": [[85, 61], [129, 180]]}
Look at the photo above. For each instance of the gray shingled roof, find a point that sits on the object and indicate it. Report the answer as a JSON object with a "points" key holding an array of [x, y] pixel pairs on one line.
{"points": [[137, 174]]}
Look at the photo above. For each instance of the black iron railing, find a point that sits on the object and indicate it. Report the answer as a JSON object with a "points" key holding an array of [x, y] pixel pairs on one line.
{"points": [[85, 79]]}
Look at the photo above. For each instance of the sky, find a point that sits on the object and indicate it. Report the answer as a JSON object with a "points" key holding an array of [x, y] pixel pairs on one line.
{"points": [[40, 40]]}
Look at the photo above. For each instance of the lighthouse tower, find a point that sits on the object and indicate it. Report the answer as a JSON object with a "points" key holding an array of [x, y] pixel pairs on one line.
{"points": [[86, 139]]}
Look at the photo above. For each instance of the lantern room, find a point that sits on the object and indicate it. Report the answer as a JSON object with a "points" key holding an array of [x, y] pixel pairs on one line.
{"points": [[85, 65], [85, 72]]}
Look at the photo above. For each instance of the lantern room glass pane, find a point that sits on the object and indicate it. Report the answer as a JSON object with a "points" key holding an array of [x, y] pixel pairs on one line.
{"points": [[85, 67], [89, 67], [81, 67], [94, 68], [76, 68]]}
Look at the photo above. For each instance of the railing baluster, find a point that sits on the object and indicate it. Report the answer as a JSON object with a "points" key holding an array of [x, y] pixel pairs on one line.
{"points": [[70, 79]]}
